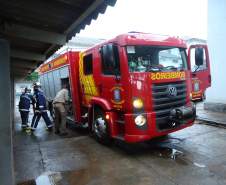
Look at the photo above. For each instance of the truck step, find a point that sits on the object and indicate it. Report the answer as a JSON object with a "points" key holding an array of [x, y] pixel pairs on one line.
{"points": [[119, 137], [85, 116], [120, 122], [70, 119]]}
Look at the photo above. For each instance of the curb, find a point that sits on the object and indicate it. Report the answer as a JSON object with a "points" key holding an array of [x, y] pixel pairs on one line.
{"points": [[211, 122]]}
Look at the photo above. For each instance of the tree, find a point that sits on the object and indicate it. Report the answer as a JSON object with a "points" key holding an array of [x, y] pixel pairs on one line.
{"points": [[33, 77]]}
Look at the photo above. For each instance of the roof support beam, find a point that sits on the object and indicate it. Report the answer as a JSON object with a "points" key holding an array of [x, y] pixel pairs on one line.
{"points": [[19, 62], [15, 70], [27, 55], [20, 73], [70, 31], [27, 64], [33, 34]]}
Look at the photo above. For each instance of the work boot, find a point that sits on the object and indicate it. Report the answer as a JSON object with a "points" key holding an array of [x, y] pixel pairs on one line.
{"points": [[24, 127], [57, 132], [32, 129], [50, 129], [63, 134]]}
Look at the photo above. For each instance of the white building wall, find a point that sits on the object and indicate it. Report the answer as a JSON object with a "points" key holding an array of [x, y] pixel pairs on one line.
{"points": [[217, 48]]}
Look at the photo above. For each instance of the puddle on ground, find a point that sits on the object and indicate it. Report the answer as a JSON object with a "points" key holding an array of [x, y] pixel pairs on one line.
{"points": [[176, 155], [78, 177], [173, 154], [199, 165]]}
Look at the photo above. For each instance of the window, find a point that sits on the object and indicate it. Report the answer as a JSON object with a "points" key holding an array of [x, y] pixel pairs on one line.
{"points": [[110, 60], [156, 58], [194, 67], [88, 64]]}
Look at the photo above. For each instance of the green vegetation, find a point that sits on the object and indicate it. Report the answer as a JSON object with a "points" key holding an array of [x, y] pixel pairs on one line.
{"points": [[33, 77]]}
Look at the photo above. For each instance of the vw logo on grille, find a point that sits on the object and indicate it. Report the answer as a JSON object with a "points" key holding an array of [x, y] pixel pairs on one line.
{"points": [[172, 91]]}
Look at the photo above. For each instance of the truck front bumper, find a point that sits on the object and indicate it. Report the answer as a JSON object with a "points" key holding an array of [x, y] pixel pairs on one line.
{"points": [[178, 119]]}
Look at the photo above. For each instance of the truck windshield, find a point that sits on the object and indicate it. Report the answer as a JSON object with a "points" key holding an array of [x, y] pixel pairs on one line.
{"points": [[156, 58]]}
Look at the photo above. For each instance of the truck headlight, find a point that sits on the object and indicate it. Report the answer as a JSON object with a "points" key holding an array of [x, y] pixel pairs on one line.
{"points": [[140, 120], [138, 103]]}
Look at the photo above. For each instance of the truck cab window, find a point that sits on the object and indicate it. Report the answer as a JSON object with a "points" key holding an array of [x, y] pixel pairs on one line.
{"points": [[110, 60], [195, 68], [88, 64], [156, 58]]}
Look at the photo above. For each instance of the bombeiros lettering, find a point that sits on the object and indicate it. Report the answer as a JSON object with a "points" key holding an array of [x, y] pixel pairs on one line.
{"points": [[167, 75]]}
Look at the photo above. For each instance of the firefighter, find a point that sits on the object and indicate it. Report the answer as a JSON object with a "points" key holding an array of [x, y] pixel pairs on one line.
{"points": [[24, 107], [59, 104], [40, 108]]}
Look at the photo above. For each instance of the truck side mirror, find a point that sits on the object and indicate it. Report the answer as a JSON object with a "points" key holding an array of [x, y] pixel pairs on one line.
{"points": [[110, 59], [199, 56]]}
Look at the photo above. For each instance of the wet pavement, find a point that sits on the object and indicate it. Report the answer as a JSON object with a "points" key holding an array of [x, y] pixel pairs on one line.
{"points": [[193, 156], [210, 117]]}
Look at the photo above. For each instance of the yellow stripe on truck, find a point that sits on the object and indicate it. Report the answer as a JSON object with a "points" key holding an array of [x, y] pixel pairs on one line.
{"points": [[87, 81]]}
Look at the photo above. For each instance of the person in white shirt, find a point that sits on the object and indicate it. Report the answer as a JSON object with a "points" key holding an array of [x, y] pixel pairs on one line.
{"points": [[59, 104]]}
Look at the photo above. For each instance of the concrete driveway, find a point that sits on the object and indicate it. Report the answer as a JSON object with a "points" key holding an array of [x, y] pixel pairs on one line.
{"points": [[193, 156]]}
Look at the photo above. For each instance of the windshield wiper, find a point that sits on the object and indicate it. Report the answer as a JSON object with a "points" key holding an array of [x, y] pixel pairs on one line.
{"points": [[171, 68], [154, 68], [197, 68]]}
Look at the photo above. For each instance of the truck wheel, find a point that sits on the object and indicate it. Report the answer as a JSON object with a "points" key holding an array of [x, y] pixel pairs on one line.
{"points": [[100, 128]]}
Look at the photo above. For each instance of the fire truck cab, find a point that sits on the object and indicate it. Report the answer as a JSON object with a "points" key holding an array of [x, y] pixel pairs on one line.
{"points": [[134, 87], [201, 76]]}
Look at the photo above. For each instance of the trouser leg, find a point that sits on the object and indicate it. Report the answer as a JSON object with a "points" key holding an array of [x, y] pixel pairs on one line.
{"points": [[46, 119], [63, 122], [61, 117], [51, 109], [27, 118], [35, 120], [57, 119], [24, 118]]}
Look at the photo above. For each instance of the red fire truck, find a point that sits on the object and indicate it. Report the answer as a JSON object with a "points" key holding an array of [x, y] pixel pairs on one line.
{"points": [[201, 76], [134, 87]]}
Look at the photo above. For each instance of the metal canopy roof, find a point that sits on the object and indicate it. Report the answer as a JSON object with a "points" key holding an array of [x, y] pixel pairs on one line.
{"points": [[37, 28]]}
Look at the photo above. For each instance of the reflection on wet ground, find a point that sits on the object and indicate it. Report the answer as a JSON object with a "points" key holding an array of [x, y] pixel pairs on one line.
{"points": [[196, 155], [92, 173]]}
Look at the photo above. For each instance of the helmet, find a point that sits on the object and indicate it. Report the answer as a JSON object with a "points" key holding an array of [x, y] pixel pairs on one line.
{"points": [[37, 84]]}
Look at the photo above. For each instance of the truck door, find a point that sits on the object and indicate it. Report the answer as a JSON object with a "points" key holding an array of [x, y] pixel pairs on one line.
{"points": [[200, 67], [111, 74]]}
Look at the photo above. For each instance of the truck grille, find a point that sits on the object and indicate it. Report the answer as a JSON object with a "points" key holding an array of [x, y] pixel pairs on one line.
{"points": [[163, 104]]}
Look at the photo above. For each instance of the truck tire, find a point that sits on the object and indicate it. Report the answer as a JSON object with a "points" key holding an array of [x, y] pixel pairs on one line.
{"points": [[204, 96], [100, 127]]}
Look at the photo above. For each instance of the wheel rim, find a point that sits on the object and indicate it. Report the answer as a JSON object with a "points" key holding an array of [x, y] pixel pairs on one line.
{"points": [[100, 127]]}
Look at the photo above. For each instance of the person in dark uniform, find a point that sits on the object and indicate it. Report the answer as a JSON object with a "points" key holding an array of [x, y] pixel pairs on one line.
{"points": [[40, 108], [24, 107]]}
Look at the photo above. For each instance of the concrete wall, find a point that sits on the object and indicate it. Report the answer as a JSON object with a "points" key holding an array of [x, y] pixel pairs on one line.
{"points": [[6, 151], [217, 47]]}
